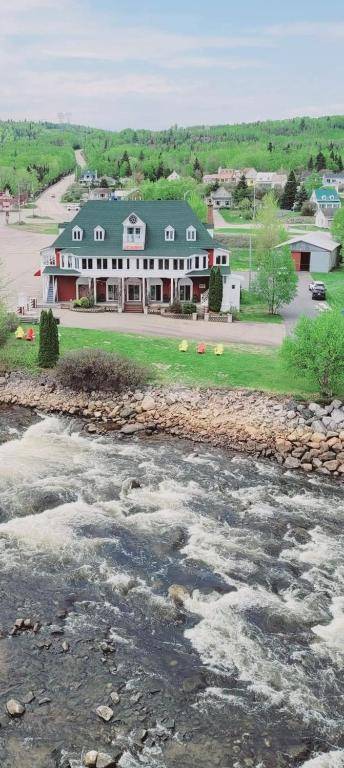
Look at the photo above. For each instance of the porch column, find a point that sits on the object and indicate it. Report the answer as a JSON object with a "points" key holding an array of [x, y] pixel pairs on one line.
{"points": [[172, 290], [122, 289], [143, 292], [95, 289]]}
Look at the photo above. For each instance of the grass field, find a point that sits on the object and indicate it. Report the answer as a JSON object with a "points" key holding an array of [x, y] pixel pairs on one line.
{"points": [[39, 228], [234, 217], [239, 366], [254, 311], [240, 259], [334, 282]]}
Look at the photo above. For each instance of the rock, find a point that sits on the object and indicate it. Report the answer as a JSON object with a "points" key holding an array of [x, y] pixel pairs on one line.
{"points": [[107, 647], [15, 708], [105, 713], [55, 629], [115, 697], [45, 700], [108, 761], [139, 735], [136, 697], [334, 405], [19, 623], [65, 646], [90, 759], [129, 484], [29, 697], [307, 467], [331, 465], [292, 463], [318, 426], [91, 428], [127, 411], [178, 593], [194, 683], [148, 403], [337, 416], [130, 429]]}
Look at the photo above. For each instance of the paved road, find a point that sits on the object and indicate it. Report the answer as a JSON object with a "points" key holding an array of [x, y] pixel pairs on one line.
{"points": [[302, 304], [259, 334]]}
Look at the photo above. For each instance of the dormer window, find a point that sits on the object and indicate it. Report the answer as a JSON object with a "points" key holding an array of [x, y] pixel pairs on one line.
{"points": [[191, 233], [134, 233], [77, 233], [169, 233], [99, 234]]}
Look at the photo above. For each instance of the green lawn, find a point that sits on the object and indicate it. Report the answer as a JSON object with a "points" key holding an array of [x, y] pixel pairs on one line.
{"points": [[254, 311], [239, 259], [41, 229], [239, 366], [233, 216], [334, 282]]}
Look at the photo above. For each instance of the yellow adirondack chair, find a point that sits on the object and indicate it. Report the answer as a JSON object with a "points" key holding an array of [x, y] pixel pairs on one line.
{"points": [[19, 333], [183, 346], [218, 350]]}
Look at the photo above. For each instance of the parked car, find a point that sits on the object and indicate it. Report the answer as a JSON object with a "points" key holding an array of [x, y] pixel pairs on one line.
{"points": [[316, 283], [319, 292]]}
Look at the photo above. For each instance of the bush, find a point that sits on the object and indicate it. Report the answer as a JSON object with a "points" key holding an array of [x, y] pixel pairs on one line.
{"points": [[86, 302], [176, 307], [317, 349], [12, 321], [4, 327], [308, 209], [94, 369], [189, 308]]}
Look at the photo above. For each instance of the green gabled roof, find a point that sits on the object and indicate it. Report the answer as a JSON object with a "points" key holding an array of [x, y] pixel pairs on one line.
{"points": [[328, 194], [224, 269], [157, 215], [60, 271]]}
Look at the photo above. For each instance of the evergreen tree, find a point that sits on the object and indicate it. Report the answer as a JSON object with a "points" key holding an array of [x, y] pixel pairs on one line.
{"points": [[310, 164], [339, 163], [197, 169], [48, 353], [215, 289], [124, 165], [301, 197], [320, 161], [289, 194], [270, 147], [241, 190]]}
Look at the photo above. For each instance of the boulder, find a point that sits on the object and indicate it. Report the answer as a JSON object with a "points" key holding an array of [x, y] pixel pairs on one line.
{"points": [[292, 463], [129, 484], [194, 683], [148, 403], [106, 761], [15, 708], [115, 697], [90, 759], [130, 429], [178, 593], [331, 465], [337, 416], [105, 713]]}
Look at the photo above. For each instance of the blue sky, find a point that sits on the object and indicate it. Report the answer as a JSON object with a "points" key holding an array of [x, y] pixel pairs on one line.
{"points": [[150, 64]]}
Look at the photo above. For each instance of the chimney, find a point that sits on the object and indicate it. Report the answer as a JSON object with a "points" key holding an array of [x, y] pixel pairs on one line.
{"points": [[210, 214]]}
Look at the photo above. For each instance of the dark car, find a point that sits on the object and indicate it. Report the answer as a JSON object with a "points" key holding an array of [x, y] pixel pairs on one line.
{"points": [[319, 293]]}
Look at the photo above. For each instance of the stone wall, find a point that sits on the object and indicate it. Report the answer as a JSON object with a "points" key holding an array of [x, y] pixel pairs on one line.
{"points": [[299, 436]]}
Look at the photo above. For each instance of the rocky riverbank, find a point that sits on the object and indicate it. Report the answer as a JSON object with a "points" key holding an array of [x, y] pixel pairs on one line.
{"points": [[300, 436]]}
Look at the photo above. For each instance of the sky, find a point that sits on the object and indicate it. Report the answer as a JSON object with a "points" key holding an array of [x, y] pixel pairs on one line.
{"points": [[149, 64]]}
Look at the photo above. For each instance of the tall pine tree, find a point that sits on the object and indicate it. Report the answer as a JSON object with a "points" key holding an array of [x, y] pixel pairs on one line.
{"points": [[289, 194], [320, 161], [301, 197], [48, 353], [241, 190], [215, 290]]}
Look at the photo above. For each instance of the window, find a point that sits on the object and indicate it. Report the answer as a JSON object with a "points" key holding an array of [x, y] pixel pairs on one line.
{"points": [[145, 263], [224, 259], [114, 263], [99, 263], [191, 233], [133, 234], [181, 263], [167, 263], [87, 263], [128, 263], [175, 263], [169, 233], [113, 292], [196, 262], [151, 263], [233, 287], [161, 264], [137, 263], [120, 263], [185, 292], [204, 262], [99, 233], [77, 233], [155, 292]]}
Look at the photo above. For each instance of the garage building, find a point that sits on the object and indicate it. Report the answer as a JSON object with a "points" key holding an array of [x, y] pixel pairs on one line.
{"points": [[313, 252]]}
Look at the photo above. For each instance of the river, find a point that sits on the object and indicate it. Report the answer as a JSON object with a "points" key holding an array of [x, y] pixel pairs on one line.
{"points": [[246, 672]]}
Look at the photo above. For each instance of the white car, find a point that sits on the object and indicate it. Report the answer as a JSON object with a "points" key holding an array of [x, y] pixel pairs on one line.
{"points": [[316, 284]]}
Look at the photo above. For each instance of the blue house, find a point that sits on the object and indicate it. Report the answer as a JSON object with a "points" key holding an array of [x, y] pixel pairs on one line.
{"points": [[88, 177], [326, 197]]}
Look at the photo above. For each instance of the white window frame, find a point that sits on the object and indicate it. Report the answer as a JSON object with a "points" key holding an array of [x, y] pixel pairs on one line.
{"points": [[77, 233], [99, 234], [191, 234], [169, 234]]}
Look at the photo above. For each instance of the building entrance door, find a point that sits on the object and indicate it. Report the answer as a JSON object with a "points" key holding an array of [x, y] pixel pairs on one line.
{"points": [[134, 292]]}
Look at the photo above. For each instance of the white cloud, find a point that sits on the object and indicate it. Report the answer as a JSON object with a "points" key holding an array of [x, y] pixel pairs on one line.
{"points": [[323, 31]]}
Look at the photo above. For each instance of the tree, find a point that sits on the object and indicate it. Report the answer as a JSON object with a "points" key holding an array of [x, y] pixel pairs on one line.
{"points": [[317, 350], [314, 181], [310, 164], [270, 229], [276, 280], [241, 190], [338, 226], [301, 197], [124, 167], [270, 147], [197, 170], [289, 194], [215, 289], [320, 161], [48, 353]]}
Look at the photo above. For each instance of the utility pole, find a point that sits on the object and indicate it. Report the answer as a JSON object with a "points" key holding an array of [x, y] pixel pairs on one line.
{"points": [[19, 209], [250, 265]]}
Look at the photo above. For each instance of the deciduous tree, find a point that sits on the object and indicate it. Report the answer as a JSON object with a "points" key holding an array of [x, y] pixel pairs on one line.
{"points": [[317, 350], [276, 280]]}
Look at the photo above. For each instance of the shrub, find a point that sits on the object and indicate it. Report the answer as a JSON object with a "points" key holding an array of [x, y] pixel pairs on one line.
{"points": [[86, 302], [4, 327], [308, 209], [48, 353], [12, 321], [176, 307], [189, 308], [317, 350], [94, 369]]}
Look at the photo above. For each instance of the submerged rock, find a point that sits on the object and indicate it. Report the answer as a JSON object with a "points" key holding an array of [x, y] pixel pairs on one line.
{"points": [[178, 593], [90, 759], [105, 713], [15, 708], [129, 484]]}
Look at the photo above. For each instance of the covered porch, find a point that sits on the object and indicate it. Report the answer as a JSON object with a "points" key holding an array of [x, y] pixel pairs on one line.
{"points": [[129, 293]]}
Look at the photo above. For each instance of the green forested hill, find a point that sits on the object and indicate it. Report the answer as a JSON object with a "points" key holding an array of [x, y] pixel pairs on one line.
{"points": [[35, 154]]}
